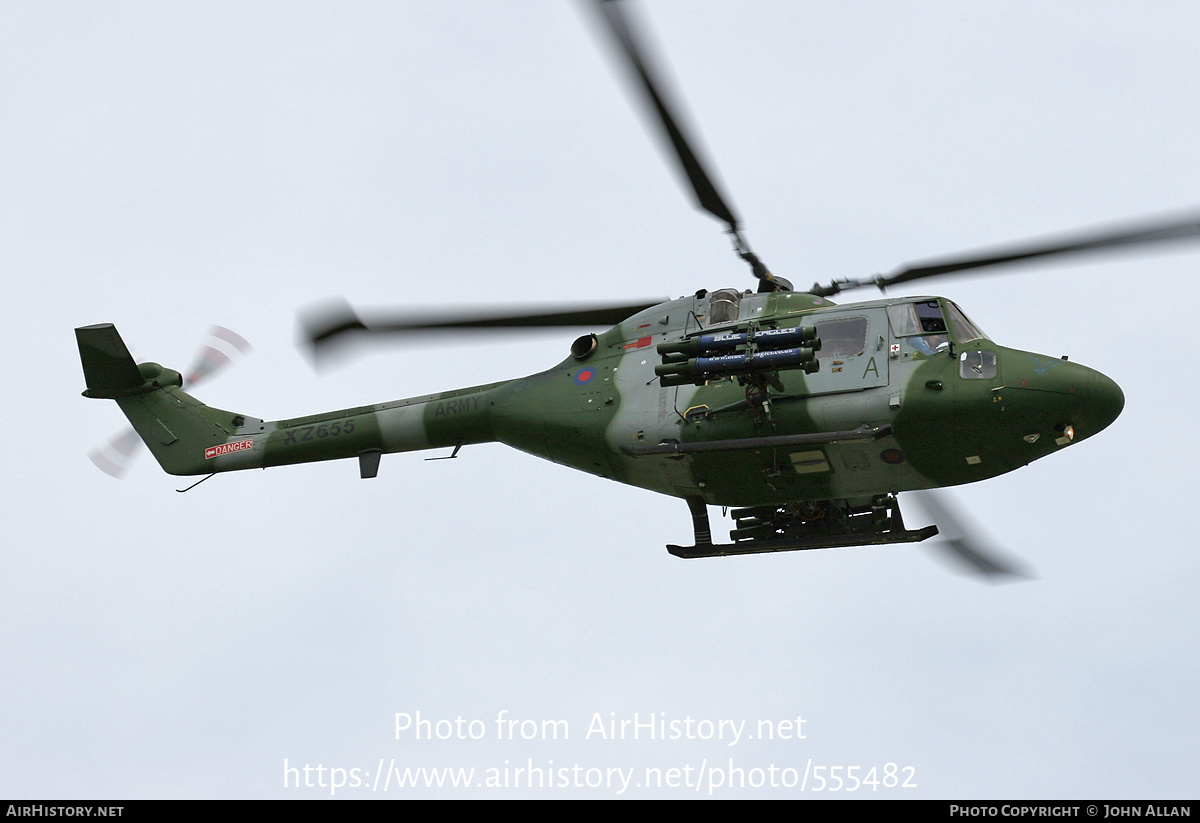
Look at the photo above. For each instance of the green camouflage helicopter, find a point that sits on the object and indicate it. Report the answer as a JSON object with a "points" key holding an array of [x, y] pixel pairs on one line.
{"points": [[806, 417]]}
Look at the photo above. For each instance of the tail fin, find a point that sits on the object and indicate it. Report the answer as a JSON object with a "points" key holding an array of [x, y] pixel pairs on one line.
{"points": [[176, 427], [108, 367]]}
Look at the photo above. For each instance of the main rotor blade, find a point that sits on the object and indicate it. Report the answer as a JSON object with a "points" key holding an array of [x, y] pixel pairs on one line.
{"points": [[707, 195], [1143, 234], [338, 322], [965, 543], [1138, 234]]}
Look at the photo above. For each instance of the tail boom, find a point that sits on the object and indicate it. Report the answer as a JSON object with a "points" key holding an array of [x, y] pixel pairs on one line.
{"points": [[190, 438]]}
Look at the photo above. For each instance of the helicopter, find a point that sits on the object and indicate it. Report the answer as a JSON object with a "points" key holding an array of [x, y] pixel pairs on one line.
{"points": [[808, 418]]}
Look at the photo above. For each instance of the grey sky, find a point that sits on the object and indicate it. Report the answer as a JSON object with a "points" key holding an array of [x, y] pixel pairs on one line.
{"points": [[168, 166]]}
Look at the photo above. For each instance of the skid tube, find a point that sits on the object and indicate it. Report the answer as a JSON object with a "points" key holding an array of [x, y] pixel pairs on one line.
{"points": [[799, 528]]}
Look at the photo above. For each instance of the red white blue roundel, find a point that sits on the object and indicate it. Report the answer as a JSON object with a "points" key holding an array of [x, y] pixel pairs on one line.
{"points": [[584, 376]]}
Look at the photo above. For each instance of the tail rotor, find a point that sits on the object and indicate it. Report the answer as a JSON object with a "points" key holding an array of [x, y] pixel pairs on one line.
{"points": [[219, 350]]}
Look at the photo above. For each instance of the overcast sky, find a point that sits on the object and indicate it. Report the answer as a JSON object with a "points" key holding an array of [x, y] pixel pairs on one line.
{"points": [[169, 166]]}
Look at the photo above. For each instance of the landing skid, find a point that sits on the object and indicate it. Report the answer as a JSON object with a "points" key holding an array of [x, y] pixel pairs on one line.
{"points": [[800, 527]]}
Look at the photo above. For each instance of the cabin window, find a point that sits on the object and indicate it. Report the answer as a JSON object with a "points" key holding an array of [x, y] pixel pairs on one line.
{"points": [[977, 365], [844, 337]]}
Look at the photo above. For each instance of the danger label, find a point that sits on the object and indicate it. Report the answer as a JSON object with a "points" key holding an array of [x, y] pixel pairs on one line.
{"points": [[227, 448]]}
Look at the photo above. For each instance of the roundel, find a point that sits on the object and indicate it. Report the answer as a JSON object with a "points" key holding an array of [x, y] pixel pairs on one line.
{"points": [[892, 456], [584, 376]]}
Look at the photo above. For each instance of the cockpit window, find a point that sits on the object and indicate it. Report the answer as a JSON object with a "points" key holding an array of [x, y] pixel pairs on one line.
{"points": [[921, 322], [844, 337], [922, 317], [929, 314], [962, 326], [903, 319]]}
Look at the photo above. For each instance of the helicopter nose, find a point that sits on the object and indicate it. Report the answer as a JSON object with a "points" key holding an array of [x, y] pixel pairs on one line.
{"points": [[1102, 404], [1087, 401], [1096, 406]]}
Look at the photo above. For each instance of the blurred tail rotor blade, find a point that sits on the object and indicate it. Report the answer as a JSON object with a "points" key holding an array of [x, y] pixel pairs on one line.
{"points": [[114, 457], [966, 544], [221, 349]]}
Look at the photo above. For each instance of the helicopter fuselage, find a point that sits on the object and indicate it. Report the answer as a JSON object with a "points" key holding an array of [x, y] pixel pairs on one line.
{"points": [[941, 410], [906, 394]]}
